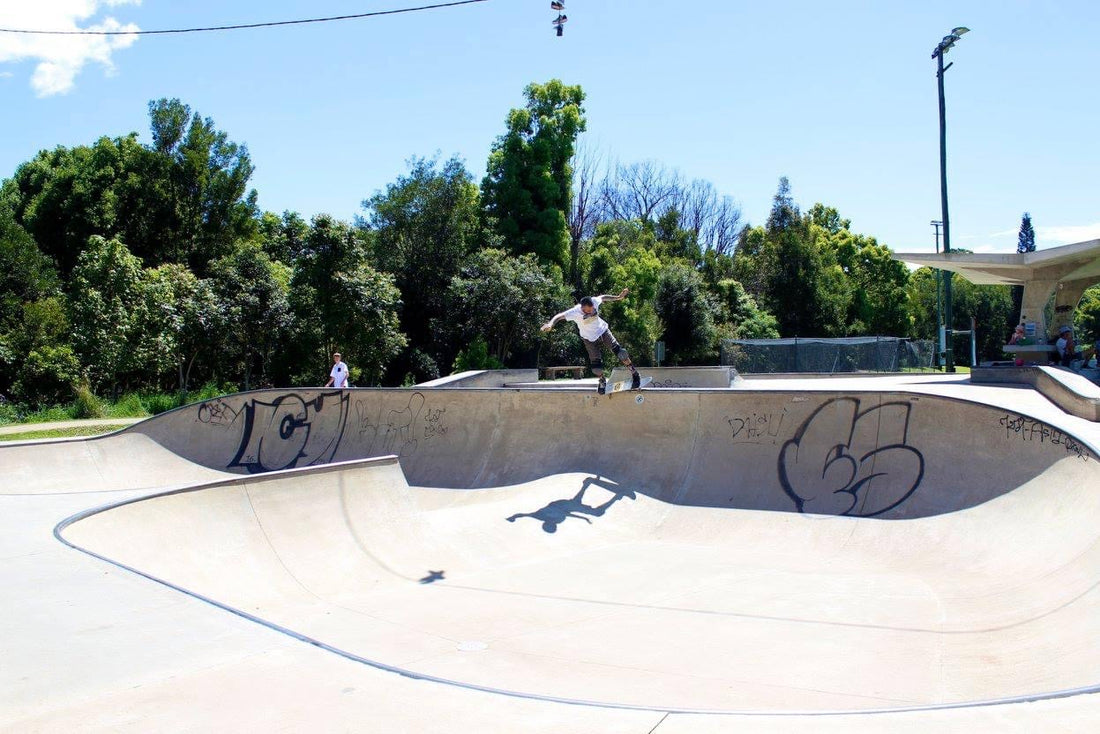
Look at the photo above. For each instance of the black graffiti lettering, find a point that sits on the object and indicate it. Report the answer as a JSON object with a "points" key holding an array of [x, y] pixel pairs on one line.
{"points": [[1022, 428], [756, 427], [217, 413], [290, 431], [667, 383], [848, 461], [433, 423]]}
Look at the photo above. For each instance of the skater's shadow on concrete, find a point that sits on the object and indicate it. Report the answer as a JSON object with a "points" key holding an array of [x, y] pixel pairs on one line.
{"points": [[558, 511]]}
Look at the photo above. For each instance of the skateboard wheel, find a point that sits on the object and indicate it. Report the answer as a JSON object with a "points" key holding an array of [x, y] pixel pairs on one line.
{"points": [[639, 400]]}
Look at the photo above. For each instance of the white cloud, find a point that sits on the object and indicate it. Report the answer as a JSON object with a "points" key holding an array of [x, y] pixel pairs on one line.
{"points": [[60, 58], [1053, 236], [1067, 234]]}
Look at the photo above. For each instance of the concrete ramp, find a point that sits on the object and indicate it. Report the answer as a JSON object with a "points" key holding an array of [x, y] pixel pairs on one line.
{"points": [[692, 551], [123, 460], [868, 454]]}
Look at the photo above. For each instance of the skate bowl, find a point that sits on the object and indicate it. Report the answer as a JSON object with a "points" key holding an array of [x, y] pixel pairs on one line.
{"points": [[694, 551]]}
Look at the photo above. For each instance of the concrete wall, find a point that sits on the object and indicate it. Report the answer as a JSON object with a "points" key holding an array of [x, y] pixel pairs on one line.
{"points": [[894, 455], [483, 378], [683, 376], [1068, 390]]}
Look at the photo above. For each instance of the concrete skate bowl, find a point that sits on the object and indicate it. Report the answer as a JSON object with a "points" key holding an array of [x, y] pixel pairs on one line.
{"points": [[700, 551]]}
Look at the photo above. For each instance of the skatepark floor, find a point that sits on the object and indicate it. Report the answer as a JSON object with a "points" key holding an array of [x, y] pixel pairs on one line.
{"points": [[146, 591]]}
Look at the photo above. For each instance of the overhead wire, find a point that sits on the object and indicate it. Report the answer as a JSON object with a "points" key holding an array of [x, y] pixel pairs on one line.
{"points": [[243, 25]]}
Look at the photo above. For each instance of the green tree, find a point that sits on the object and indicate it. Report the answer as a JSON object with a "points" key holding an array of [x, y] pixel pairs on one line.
{"points": [[181, 315], [1086, 322], [106, 311], [991, 308], [526, 192], [47, 376], [874, 281], [251, 290], [920, 301], [1025, 242], [26, 277], [990, 305], [184, 199], [423, 227], [38, 334], [798, 290], [64, 196], [283, 236], [341, 303], [504, 300], [204, 177], [755, 262], [743, 318], [690, 333], [623, 254]]}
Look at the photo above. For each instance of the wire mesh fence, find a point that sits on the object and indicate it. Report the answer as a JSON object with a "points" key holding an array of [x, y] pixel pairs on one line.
{"points": [[848, 354]]}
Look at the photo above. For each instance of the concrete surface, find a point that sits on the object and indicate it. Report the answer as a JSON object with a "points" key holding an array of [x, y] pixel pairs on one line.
{"points": [[1069, 390], [9, 429], [804, 555]]}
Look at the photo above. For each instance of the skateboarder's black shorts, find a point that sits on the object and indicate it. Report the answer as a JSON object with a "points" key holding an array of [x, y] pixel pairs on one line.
{"points": [[595, 355]]}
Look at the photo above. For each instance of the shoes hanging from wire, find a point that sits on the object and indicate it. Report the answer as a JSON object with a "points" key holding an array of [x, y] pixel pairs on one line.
{"points": [[559, 22]]}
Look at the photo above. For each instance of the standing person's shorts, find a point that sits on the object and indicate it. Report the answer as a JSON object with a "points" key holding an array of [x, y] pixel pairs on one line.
{"points": [[595, 354]]}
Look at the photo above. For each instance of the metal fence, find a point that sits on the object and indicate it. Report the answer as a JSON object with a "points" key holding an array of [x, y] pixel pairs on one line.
{"points": [[849, 354]]}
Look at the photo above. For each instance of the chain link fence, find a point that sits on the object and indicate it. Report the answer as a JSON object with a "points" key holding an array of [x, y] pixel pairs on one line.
{"points": [[848, 354]]}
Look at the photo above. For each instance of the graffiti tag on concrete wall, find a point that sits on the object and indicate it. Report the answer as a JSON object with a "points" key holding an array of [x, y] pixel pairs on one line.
{"points": [[218, 413], [399, 431], [757, 428], [1029, 430], [291, 431], [848, 461]]}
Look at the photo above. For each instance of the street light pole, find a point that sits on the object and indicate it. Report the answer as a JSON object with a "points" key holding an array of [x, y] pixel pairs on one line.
{"points": [[943, 47], [939, 298]]}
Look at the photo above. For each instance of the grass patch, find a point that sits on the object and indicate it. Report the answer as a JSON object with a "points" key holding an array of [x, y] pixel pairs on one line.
{"points": [[49, 415], [78, 431]]}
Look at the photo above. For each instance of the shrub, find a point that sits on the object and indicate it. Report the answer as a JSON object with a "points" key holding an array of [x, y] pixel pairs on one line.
{"points": [[476, 357], [48, 376], [161, 403], [129, 405], [9, 413], [86, 404], [49, 415]]}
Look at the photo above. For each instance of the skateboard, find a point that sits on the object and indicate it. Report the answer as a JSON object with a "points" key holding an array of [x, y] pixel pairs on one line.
{"points": [[614, 387]]}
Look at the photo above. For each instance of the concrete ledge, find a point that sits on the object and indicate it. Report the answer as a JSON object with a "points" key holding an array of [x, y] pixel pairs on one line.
{"points": [[1068, 390], [683, 376], [484, 378]]}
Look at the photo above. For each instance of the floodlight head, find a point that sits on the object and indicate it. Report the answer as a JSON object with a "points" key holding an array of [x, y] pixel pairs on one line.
{"points": [[949, 40]]}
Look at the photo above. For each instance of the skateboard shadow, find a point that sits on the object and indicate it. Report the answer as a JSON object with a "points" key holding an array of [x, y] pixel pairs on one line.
{"points": [[558, 511]]}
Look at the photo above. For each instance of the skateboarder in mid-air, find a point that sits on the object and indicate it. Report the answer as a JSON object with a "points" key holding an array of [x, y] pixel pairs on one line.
{"points": [[595, 332]]}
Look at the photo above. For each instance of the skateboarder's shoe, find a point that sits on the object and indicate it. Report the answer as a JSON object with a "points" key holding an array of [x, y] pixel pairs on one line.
{"points": [[555, 5], [635, 381]]}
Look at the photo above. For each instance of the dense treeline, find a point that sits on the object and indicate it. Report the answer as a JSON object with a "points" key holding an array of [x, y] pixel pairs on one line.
{"points": [[126, 266]]}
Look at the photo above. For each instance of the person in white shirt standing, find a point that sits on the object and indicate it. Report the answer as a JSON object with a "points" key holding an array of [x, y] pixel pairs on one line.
{"points": [[595, 333], [338, 376]]}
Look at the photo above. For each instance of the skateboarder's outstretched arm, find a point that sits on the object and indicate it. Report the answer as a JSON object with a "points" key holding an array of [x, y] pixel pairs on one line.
{"points": [[550, 324], [622, 294]]}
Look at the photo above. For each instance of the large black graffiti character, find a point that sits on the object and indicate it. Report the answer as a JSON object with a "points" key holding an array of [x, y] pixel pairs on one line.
{"points": [[291, 431], [846, 462]]}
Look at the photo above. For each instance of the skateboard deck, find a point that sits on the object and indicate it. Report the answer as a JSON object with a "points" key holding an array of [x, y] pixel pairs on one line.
{"points": [[614, 387]]}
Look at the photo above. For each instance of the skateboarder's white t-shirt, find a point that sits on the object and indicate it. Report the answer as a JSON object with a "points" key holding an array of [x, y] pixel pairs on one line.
{"points": [[339, 375], [591, 327]]}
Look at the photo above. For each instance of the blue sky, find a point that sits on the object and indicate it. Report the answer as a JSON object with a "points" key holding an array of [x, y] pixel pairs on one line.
{"points": [[839, 97]]}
